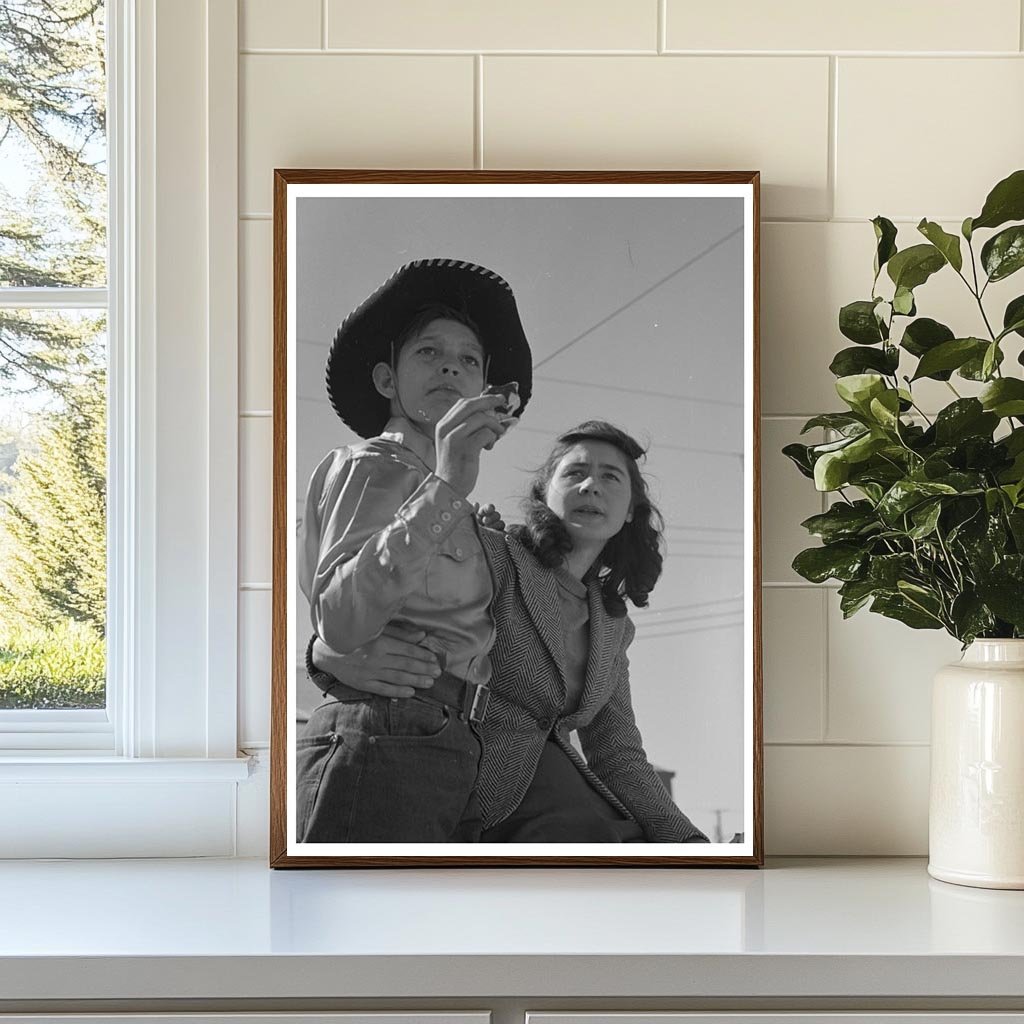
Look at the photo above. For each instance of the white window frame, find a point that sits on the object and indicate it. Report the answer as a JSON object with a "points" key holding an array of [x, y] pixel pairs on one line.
{"points": [[157, 774]]}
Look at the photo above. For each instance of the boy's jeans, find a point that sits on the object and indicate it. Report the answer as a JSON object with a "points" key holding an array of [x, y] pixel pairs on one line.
{"points": [[374, 770]]}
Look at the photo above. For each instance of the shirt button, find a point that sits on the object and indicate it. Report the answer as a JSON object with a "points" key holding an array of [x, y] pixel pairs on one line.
{"points": [[458, 552], [445, 516], [456, 504], [436, 528], [544, 724]]}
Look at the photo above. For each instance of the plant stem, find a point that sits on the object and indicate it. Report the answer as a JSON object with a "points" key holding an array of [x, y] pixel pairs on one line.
{"points": [[953, 389]]}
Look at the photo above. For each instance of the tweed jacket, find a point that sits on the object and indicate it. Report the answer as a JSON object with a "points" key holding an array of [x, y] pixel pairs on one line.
{"points": [[528, 692]]}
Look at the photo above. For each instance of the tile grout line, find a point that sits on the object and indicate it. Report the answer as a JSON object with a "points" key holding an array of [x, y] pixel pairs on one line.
{"points": [[478, 111], [825, 653], [323, 24], [1020, 23], [851, 744], [662, 41], [767, 55], [831, 171], [826, 650]]}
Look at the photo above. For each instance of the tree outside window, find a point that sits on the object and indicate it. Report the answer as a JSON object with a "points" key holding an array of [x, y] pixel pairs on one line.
{"points": [[53, 402]]}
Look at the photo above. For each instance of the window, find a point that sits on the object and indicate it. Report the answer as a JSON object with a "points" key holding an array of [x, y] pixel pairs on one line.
{"points": [[53, 368], [155, 771]]}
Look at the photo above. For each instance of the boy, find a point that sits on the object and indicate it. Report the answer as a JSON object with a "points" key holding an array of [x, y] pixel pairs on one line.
{"points": [[389, 533]]}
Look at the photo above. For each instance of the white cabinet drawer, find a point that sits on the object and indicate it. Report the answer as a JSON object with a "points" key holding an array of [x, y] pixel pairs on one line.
{"points": [[933, 1017], [355, 1017]]}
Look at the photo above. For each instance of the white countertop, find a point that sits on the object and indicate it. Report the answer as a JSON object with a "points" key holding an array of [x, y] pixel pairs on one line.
{"points": [[234, 929]]}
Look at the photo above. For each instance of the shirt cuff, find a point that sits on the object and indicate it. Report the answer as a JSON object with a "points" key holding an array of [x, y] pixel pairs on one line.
{"points": [[434, 509]]}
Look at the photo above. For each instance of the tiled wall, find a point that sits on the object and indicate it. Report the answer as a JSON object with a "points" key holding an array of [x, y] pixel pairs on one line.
{"points": [[909, 110]]}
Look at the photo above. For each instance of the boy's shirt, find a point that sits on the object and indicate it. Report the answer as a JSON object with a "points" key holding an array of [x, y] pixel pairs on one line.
{"points": [[383, 538]]}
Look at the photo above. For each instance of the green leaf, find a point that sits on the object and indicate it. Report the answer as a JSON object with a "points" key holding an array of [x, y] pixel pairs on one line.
{"points": [[1004, 397], [1013, 318], [887, 570], [923, 335], [1005, 596], [799, 454], [965, 229], [990, 361], [841, 421], [842, 561], [912, 267], [831, 471], [842, 521], [994, 499], [864, 446], [858, 389], [1003, 255], [885, 236], [947, 244], [906, 494], [899, 608], [854, 595], [903, 302], [1015, 519], [950, 355], [966, 417], [849, 361], [971, 617], [1005, 202], [857, 321], [885, 409], [925, 518], [974, 368]]}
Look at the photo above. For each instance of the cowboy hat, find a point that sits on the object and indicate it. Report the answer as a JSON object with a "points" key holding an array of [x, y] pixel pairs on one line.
{"points": [[367, 334]]}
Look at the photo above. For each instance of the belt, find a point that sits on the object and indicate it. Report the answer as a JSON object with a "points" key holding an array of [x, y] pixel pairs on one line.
{"points": [[469, 699]]}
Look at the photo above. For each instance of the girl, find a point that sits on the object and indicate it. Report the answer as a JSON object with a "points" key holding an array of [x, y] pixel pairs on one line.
{"points": [[591, 540]]}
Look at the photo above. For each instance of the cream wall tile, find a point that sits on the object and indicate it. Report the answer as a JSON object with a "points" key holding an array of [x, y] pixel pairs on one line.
{"points": [[360, 111], [787, 499], [971, 111], [809, 271], [254, 618], [654, 112], [870, 25], [880, 676], [255, 505], [494, 25], [793, 629], [266, 24], [846, 801], [255, 316]]}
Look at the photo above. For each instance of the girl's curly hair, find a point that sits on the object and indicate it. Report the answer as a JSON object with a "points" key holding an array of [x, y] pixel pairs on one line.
{"points": [[630, 563]]}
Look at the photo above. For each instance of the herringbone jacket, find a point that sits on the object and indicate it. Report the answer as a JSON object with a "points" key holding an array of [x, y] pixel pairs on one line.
{"points": [[528, 693]]}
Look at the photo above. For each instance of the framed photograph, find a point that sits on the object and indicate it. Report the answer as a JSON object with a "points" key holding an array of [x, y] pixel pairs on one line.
{"points": [[516, 553]]}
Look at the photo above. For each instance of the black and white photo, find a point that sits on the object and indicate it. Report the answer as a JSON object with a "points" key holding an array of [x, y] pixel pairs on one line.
{"points": [[516, 560]]}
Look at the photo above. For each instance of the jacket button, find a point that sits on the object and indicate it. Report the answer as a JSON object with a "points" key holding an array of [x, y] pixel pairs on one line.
{"points": [[544, 724]]}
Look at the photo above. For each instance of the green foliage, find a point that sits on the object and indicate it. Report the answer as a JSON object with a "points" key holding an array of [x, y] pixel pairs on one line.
{"points": [[53, 520], [60, 667], [52, 467], [928, 522], [53, 123]]}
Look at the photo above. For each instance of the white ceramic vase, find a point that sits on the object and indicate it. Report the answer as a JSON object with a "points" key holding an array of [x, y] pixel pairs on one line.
{"points": [[976, 814]]}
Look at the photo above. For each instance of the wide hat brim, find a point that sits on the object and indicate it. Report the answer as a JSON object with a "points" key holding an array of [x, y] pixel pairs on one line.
{"points": [[367, 334]]}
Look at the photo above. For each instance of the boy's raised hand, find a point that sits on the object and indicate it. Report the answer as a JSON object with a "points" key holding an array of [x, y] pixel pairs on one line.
{"points": [[468, 427], [392, 665]]}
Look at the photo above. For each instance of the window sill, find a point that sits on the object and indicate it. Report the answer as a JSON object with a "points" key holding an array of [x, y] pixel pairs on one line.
{"points": [[80, 767], [91, 806]]}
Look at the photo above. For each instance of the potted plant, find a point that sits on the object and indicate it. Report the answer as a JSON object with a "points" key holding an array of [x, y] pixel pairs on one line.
{"points": [[927, 521]]}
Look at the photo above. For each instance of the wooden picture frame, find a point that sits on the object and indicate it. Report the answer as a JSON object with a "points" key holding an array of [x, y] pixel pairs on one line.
{"points": [[639, 294]]}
